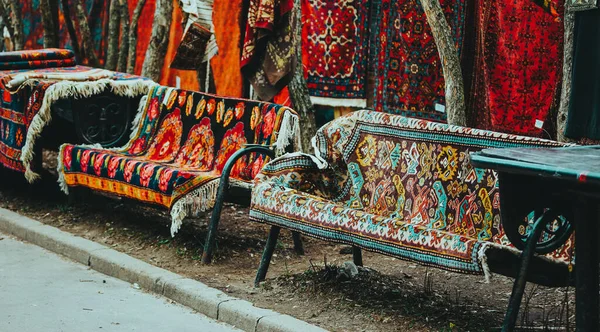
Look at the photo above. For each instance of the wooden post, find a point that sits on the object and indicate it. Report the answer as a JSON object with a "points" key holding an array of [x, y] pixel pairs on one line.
{"points": [[442, 34], [155, 54]]}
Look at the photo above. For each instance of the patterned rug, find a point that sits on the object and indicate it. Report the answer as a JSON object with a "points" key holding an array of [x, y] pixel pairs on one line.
{"points": [[518, 66], [179, 146], [25, 113], [395, 185], [46, 58], [335, 49], [407, 69], [268, 51]]}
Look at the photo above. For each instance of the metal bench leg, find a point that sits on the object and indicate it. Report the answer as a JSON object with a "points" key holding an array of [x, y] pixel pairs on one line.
{"points": [[215, 217], [514, 303], [357, 256], [298, 247], [261, 274], [209, 243]]}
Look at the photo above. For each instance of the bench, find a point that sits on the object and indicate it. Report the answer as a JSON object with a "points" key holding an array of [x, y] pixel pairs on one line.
{"points": [[402, 187], [46, 100], [188, 152]]}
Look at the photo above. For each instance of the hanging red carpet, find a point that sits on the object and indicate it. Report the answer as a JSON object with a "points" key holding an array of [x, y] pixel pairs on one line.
{"points": [[407, 69], [518, 66], [335, 50]]}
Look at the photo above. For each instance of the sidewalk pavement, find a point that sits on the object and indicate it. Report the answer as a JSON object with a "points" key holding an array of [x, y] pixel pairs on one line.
{"points": [[191, 293], [41, 291]]}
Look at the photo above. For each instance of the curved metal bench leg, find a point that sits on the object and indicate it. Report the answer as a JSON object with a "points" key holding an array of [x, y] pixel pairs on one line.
{"points": [[357, 256], [261, 274], [514, 303], [298, 247], [209, 243]]}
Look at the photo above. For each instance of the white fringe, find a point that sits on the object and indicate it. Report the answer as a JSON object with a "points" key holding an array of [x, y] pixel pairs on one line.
{"points": [[289, 130], [317, 158], [195, 202], [481, 255], [70, 89], [335, 102]]}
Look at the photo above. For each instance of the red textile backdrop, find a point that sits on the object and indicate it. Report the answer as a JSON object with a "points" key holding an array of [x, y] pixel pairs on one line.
{"points": [[97, 19], [518, 66]]}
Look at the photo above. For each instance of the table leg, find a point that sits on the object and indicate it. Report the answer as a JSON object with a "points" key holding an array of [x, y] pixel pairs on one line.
{"points": [[586, 262]]}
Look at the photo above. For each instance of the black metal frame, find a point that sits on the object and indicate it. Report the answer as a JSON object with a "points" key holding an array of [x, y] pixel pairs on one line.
{"points": [[222, 193], [514, 303]]}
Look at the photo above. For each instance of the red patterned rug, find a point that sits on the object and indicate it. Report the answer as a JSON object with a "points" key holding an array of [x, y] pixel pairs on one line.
{"points": [[518, 66], [407, 69], [335, 50]]}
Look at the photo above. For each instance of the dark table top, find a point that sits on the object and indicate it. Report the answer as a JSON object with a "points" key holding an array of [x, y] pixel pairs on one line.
{"points": [[576, 163]]}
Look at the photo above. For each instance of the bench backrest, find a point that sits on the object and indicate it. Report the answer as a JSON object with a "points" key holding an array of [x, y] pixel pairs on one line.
{"points": [[199, 131], [417, 171]]}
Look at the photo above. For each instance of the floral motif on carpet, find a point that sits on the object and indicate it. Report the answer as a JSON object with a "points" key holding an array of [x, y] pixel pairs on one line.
{"points": [[335, 48], [180, 144], [407, 68], [395, 185], [518, 66]]}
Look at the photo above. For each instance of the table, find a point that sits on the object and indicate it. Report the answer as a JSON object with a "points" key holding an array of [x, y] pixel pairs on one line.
{"points": [[551, 182]]}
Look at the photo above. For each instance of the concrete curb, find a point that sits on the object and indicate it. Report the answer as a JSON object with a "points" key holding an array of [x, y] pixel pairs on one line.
{"points": [[196, 295]]}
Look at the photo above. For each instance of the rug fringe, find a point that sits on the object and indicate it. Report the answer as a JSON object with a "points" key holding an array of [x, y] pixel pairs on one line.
{"points": [[71, 89], [289, 131], [317, 158], [338, 102], [193, 203]]}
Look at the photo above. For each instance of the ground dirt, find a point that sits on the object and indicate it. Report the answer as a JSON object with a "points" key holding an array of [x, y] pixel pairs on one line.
{"points": [[387, 295]]}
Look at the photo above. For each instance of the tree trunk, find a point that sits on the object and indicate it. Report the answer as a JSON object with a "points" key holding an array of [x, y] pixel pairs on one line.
{"points": [[124, 49], [133, 33], [297, 87], [565, 94], [4, 15], [157, 49], [71, 28], [50, 31], [112, 53], [17, 24], [442, 34], [86, 35]]}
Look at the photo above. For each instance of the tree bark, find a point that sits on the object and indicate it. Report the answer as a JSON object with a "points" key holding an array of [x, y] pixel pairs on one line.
{"points": [[157, 49], [442, 34], [71, 28], [297, 87], [133, 33], [124, 49], [17, 24], [4, 15], [50, 34], [86, 36], [565, 94], [112, 52]]}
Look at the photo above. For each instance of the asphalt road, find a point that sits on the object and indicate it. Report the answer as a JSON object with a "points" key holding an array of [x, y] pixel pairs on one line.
{"points": [[41, 291]]}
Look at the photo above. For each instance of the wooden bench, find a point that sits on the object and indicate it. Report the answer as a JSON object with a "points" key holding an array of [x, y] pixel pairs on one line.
{"points": [[402, 187], [188, 152]]}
